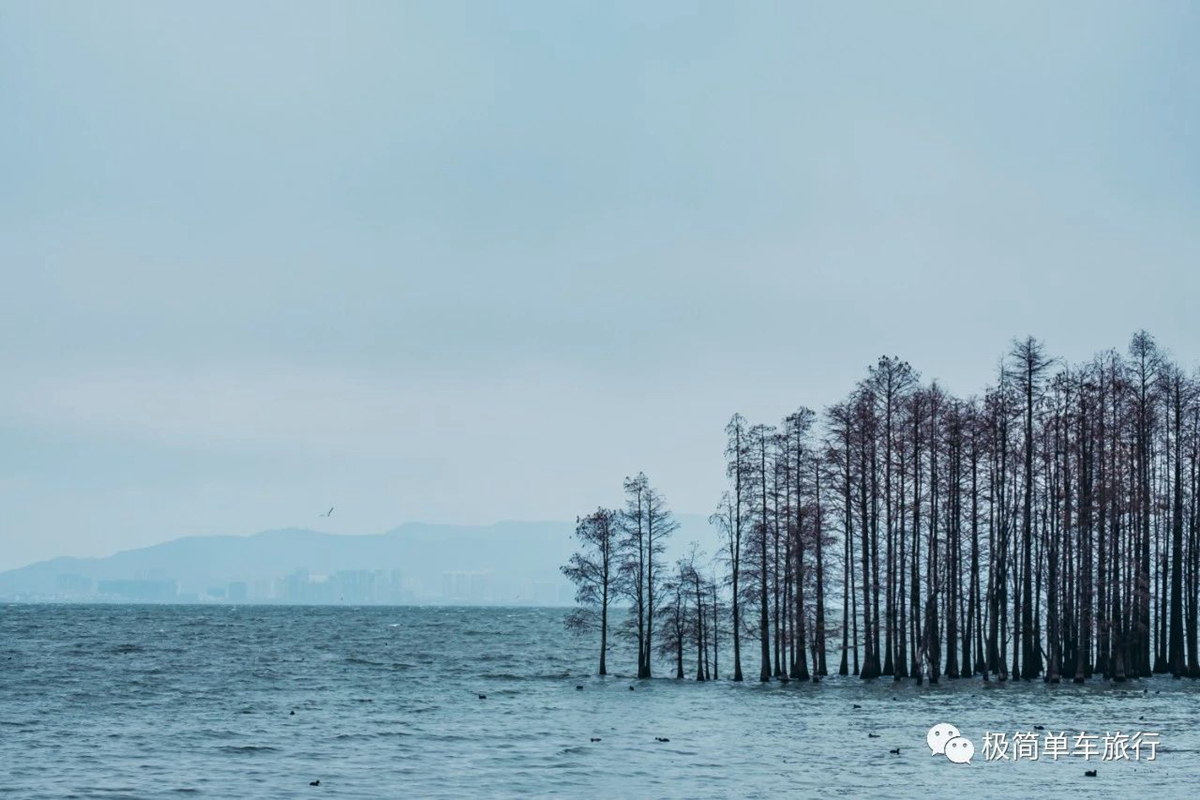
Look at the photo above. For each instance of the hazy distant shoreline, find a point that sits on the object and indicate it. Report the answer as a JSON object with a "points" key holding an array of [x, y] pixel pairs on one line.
{"points": [[416, 564]]}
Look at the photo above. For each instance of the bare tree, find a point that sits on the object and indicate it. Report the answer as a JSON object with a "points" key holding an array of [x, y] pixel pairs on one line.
{"points": [[760, 438], [1030, 365], [737, 469], [594, 570]]}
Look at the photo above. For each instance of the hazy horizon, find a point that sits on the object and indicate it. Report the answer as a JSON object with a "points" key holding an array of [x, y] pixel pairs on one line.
{"points": [[694, 519], [452, 263]]}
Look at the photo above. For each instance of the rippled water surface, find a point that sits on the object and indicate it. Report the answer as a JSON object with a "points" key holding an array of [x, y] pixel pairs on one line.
{"points": [[147, 701]]}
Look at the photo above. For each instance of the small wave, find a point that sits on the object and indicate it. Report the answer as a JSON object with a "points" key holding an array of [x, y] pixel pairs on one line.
{"points": [[247, 748], [364, 661], [376, 735]]}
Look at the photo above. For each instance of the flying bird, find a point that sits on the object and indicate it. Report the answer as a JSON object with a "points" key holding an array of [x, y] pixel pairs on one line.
{"points": [[328, 513]]}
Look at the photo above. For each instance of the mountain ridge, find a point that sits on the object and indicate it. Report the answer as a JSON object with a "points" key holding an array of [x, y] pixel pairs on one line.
{"points": [[411, 562]]}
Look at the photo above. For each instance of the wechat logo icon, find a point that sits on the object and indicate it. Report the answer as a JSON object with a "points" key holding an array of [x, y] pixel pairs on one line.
{"points": [[946, 740]]}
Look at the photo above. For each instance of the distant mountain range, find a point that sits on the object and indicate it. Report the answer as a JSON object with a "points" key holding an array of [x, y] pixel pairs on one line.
{"points": [[504, 564]]}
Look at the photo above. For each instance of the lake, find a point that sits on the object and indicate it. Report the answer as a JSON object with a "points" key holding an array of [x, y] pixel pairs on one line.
{"points": [[258, 701]]}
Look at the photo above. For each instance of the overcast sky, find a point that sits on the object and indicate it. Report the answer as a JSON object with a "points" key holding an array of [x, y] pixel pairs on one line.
{"points": [[466, 263]]}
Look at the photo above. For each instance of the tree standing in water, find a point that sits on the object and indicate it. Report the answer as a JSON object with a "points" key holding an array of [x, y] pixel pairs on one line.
{"points": [[821, 669], [633, 563], [593, 570], [674, 612], [1176, 392], [1031, 363], [647, 523], [760, 436], [660, 524], [891, 378], [689, 572], [729, 519]]}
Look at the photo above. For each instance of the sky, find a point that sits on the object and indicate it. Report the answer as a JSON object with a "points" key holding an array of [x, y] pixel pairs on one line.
{"points": [[474, 262]]}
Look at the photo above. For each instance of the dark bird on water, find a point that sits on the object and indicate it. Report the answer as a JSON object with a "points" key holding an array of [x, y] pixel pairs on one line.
{"points": [[661, 739], [483, 697], [895, 751], [631, 688], [328, 513], [595, 738], [872, 735], [1091, 773], [1039, 727], [579, 687], [314, 783], [856, 705], [291, 713]]}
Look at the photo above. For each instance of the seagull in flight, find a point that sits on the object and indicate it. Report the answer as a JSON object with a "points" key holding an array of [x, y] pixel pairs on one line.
{"points": [[328, 513]]}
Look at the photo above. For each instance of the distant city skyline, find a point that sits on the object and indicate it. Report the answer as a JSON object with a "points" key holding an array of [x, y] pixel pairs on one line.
{"points": [[303, 587], [417, 264], [506, 564]]}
